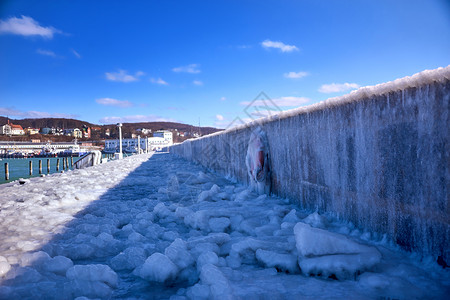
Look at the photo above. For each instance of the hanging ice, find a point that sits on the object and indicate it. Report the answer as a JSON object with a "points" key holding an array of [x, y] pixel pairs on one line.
{"points": [[91, 159], [257, 161]]}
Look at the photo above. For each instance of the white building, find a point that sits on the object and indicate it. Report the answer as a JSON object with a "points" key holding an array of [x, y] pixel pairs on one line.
{"points": [[5, 129], [144, 130], [165, 134], [155, 143]]}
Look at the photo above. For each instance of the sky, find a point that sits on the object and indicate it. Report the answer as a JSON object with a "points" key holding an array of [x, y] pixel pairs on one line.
{"points": [[206, 62]]}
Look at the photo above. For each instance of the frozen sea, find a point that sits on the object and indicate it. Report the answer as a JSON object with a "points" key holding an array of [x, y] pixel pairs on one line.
{"points": [[155, 226]]}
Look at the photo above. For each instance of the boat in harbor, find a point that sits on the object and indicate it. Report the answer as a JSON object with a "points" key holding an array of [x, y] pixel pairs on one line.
{"points": [[130, 149], [74, 150], [47, 150], [110, 150]]}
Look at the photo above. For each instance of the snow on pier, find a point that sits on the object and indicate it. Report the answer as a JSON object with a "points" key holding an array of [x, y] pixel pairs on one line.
{"points": [[157, 226]]}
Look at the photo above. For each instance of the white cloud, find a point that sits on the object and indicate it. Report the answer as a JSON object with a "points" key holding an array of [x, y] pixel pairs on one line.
{"points": [[26, 26], [76, 53], [282, 101], [295, 75], [197, 82], [134, 119], [192, 68], [278, 45], [114, 102], [158, 81], [123, 76], [46, 52], [219, 117], [337, 87], [11, 112], [223, 99]]}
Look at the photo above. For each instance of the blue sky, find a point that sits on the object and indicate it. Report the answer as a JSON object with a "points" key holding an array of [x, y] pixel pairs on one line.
{"points": [[191, 61]]}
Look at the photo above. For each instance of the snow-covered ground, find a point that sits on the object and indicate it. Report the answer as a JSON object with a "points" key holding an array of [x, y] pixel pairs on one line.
{"points": [[151, 227]]}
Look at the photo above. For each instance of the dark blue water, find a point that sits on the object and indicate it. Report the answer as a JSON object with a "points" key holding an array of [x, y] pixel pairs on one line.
{"points": [[20, 167]]}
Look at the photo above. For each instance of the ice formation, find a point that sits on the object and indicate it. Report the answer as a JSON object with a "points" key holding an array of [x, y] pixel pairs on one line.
{"points": [[257, 161], [371, 157], [91, 159], [332, 254], [138, 228]]}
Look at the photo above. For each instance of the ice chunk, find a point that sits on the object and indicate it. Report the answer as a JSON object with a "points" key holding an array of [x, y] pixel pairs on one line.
{"points": [[24, 275], [102, 273], [199, 179], [291, 217], [173, 188], [158, 267], [161, 210], [4, 266], [219, 285], [89, 289], [316, 220], [219, 224], [271, 259], [182, 212], [106, 244], [257, 161], [58, 265], [76, 252], [208, 195], [233, 260], [198, 291], [216, 238], [198, 220], [129, 259], [169, 235], [178, 254], [204, 247], [327, 253], [34, 258], [208, 257]]}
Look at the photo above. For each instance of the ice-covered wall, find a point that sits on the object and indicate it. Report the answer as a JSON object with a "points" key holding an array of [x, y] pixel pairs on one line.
{"points": [[378, 157]]}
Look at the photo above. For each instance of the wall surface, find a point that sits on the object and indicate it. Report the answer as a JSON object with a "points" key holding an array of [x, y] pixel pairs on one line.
{"points": [[378, 157]]}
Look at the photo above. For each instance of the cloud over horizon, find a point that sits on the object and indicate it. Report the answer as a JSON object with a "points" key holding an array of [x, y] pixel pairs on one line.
{"points": [[33, 114], [159, 81], [46, 53], [295, 75], [135, 119], [192, 69], [337, 87], [77, 55], [123, 76], [114, 102], [26, 26], [278, 45]]}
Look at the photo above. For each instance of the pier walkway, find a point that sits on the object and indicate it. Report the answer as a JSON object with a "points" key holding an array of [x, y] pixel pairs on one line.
{"points": [[155, 226]]}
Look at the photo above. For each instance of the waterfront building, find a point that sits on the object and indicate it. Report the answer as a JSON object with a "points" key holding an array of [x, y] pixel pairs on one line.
{"points": [[75, 132], [31, 131], [47, 130], [5, 129], [144, 131], [165, 134], [86, 131], [155, 143], [16, 129]]}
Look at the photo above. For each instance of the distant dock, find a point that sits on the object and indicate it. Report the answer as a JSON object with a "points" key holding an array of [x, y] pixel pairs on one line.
{"points": [[12, 149]]}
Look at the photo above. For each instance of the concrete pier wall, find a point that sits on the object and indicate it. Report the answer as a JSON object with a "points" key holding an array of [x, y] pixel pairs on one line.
{"points": [[378, 157]]}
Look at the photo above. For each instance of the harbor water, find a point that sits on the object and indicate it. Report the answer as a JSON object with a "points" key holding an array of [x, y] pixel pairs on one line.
{"points": [[20, 167]]}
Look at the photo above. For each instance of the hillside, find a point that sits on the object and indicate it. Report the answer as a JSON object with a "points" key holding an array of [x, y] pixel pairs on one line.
{"points": [[127, 130]]}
